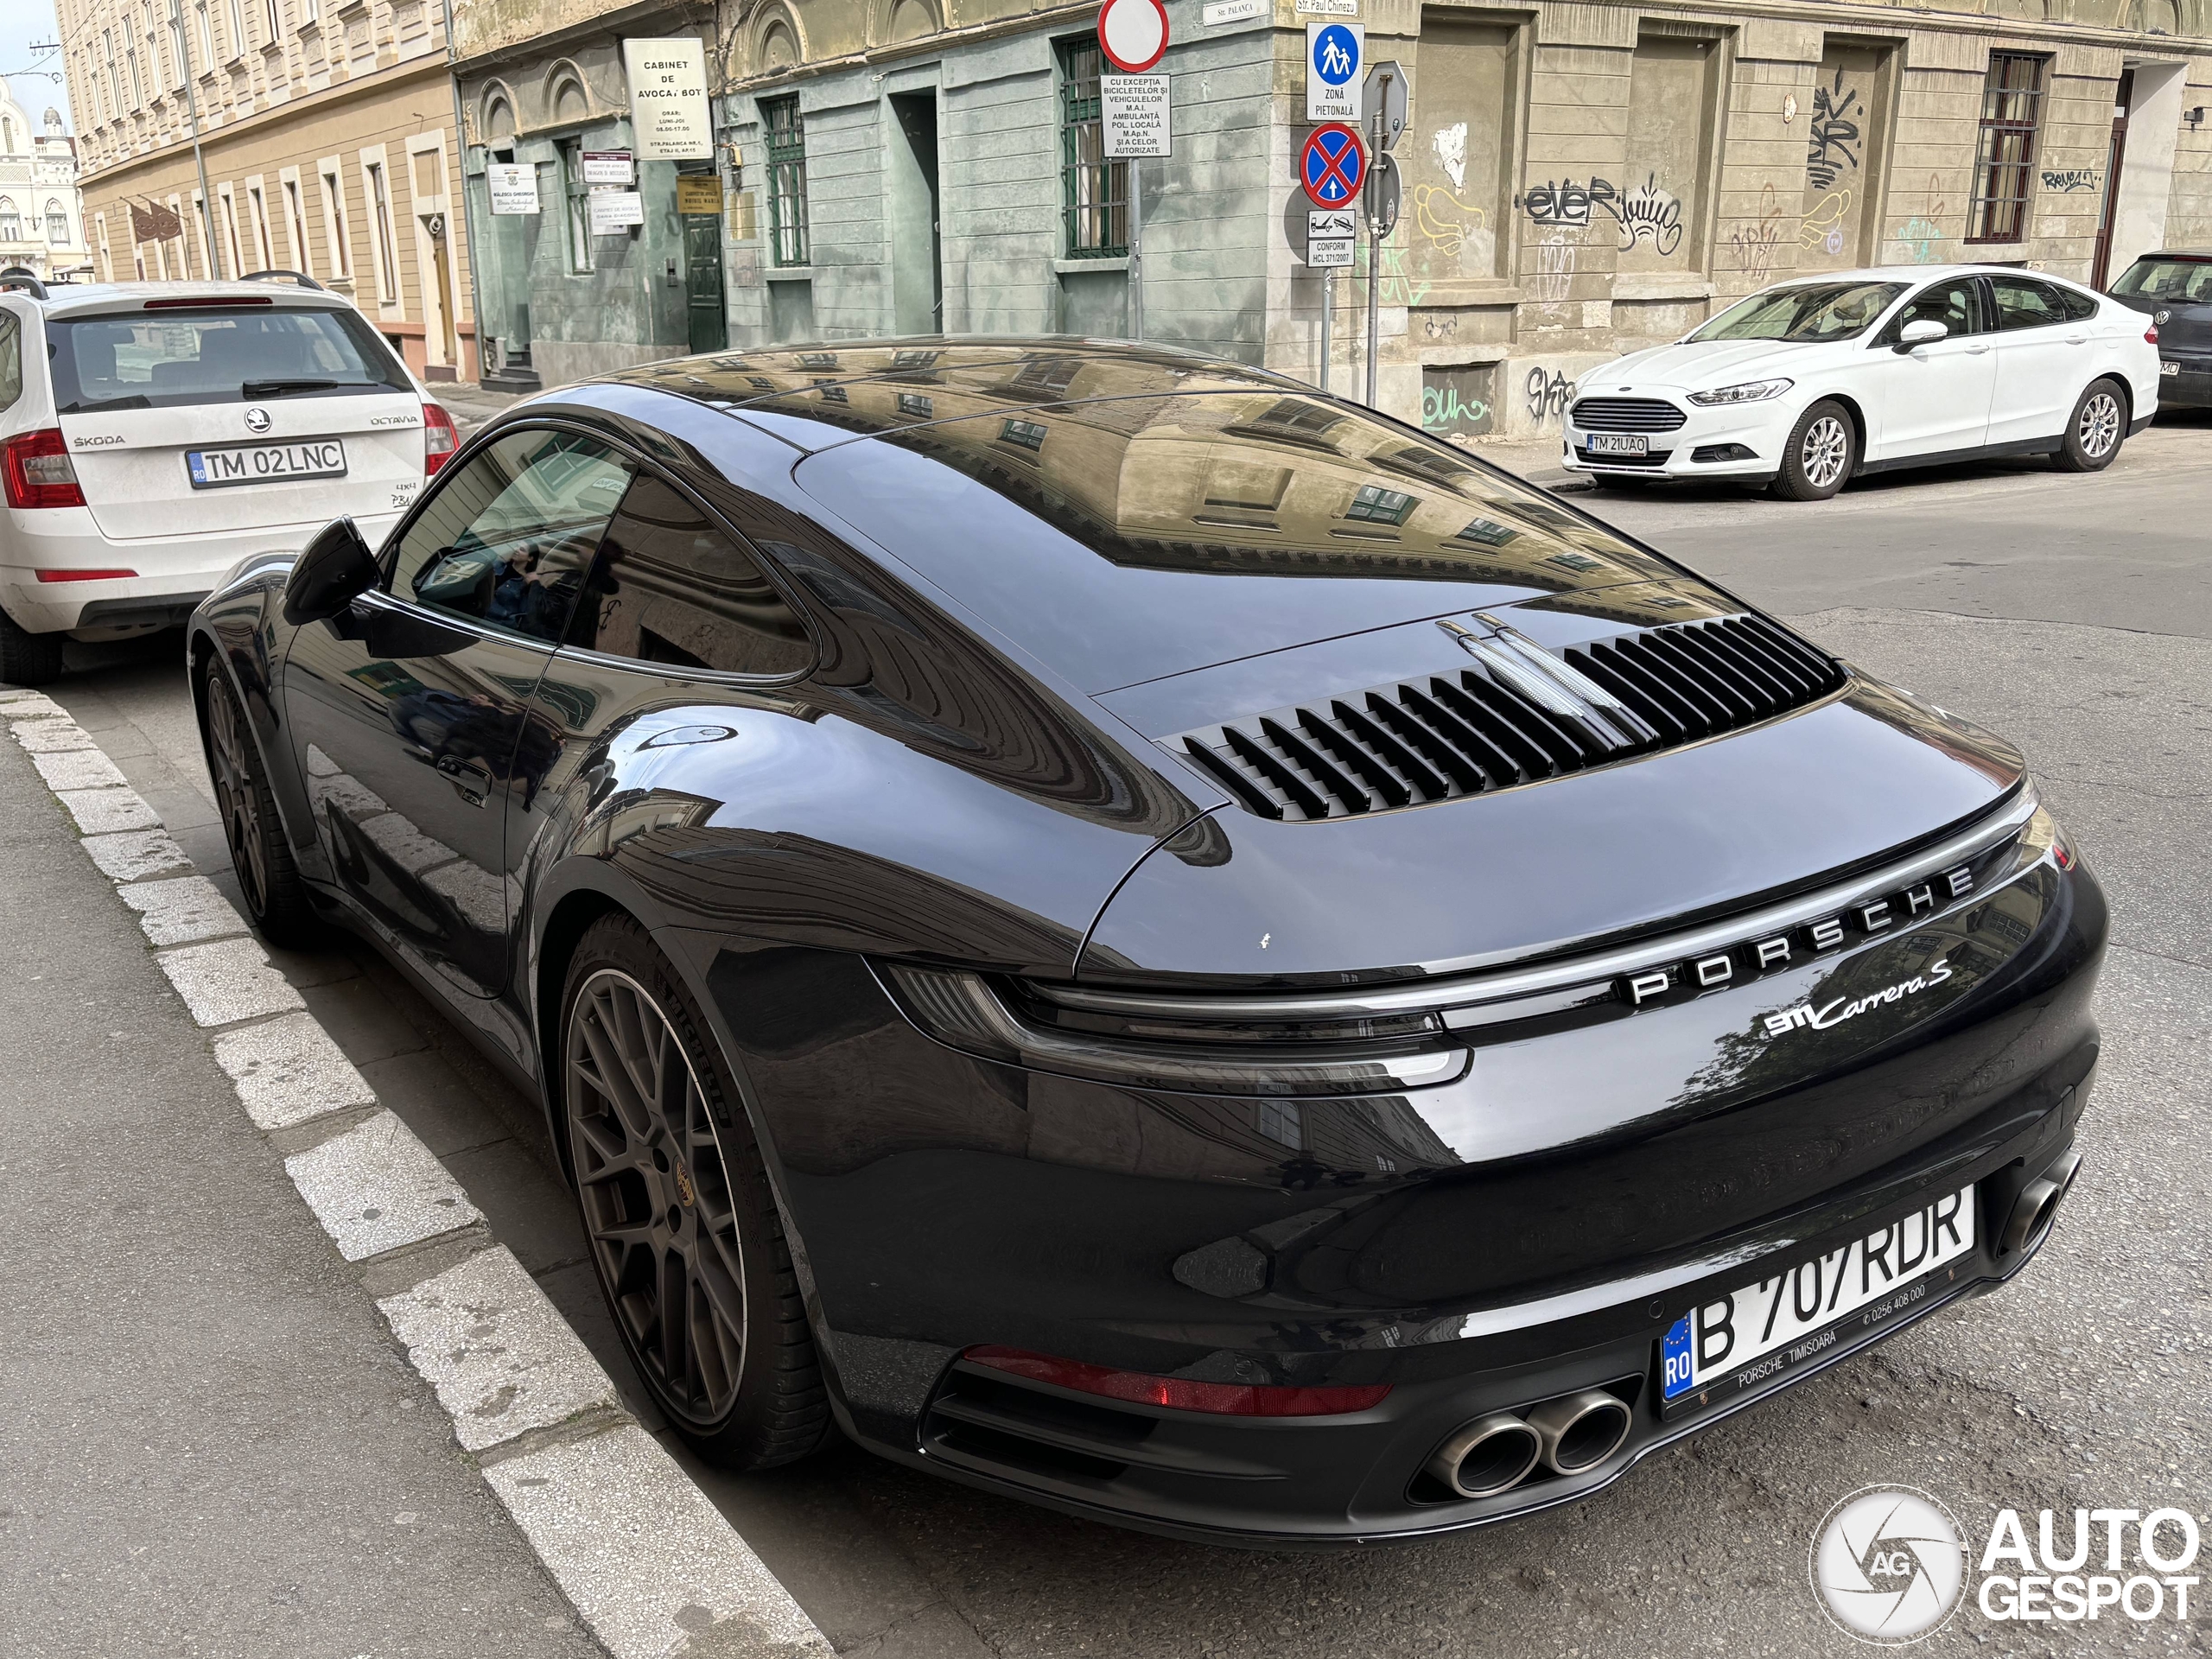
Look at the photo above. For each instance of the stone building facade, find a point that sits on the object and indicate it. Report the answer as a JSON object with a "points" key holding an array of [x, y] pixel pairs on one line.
{"points": [[327, 133], [1580, 177], [42, 214]]}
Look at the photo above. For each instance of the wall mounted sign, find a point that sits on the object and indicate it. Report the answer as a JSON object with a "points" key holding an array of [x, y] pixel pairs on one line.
{"points": [[1133, 109], [668, 98], [699, 194], [609, 167], [512, 187], [613, 212]]}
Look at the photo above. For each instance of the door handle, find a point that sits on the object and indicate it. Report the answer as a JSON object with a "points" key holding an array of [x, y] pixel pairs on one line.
{"points": [[471, 779], [1976, 351], [2077, 339]]}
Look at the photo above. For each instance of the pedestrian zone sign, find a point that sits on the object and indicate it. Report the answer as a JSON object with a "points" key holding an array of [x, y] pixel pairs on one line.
{"points": [[1335, 54], [1333, 166]]}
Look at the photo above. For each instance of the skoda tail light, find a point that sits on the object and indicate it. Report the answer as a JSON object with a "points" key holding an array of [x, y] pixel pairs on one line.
{"points": [[440, 438], [38, 471]]}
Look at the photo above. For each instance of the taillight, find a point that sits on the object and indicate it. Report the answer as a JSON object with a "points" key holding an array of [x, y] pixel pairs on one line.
{"points": [[2151, 335], [440, 438], [38, 473], [1179, 1393]]}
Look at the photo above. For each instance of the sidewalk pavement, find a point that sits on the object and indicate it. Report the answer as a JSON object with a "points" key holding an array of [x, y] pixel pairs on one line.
{"points": [[212, 1443]]}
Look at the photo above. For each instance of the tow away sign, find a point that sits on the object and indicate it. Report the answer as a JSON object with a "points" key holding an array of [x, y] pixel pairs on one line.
{"points": [[1330, 232]]}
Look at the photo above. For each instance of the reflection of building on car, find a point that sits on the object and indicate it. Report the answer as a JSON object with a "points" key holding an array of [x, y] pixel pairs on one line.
{"points": [[152, 436], [1810, 383], [2174, 288]]}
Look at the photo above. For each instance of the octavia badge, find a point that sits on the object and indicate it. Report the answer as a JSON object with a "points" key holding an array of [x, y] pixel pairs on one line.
{"points": [[256, 418]]}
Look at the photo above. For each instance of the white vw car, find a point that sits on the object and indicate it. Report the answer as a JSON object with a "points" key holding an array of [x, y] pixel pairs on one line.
{"points": [[152, 434], [1812, 382]]}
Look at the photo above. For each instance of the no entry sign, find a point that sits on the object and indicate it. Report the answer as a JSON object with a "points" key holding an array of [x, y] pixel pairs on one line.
{"points": [[1333, 166], [1133, 33]]}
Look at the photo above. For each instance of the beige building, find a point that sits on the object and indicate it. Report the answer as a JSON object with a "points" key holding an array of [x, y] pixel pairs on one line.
{"points": [[327, 131], [1580, 177]]}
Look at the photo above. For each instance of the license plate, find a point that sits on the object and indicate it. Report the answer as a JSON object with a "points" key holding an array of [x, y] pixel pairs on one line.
{"points": [[2169, 367], [1780, 1322], [1617, 443], [265, 463]]}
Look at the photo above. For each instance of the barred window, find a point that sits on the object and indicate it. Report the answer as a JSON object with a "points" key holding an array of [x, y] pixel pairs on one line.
{"points": [[1094, 191], [2004, 168], [786, 181]]}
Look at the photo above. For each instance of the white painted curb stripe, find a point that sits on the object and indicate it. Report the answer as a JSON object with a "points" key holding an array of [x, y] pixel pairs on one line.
{"points": [[652, 1566]]}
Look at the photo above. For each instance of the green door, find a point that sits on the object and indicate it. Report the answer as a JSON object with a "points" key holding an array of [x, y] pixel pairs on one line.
{"points": [[702, 282]]}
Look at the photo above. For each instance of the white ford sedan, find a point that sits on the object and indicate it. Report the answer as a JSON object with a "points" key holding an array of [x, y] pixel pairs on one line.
{"points": [[1812, 382], [153, 435]]}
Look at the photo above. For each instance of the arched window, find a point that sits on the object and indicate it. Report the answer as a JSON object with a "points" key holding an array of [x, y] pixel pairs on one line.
{"points": [[498, 120], [7, 137], [11, 224], [57, 224], [567, 102]]}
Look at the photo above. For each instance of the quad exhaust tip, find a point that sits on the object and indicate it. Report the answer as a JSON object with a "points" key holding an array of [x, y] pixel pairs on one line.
{"points": [[1496, 1454], [2037, 1204]]}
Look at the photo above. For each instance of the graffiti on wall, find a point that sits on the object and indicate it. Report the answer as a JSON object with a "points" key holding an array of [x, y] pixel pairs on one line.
{"points": [[1555, 265], [1753, 246], [1833, 136], [1650, 210], [1444, 221], [2072, 180], [1459, 401], [1822, 226], [1546, 390], [1919, 238]]}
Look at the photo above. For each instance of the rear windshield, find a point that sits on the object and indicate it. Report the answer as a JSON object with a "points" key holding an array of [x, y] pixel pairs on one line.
{"points": [[1804, 311], [2189, 281], [165, 359]]}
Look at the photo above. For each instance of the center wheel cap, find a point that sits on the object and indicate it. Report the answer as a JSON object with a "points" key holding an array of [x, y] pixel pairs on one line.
{"points": [[683, 1185]]}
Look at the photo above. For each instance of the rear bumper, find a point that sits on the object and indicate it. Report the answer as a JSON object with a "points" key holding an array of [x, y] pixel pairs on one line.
{"points": [[171, 575], [940, 1202], [2190, 389]]}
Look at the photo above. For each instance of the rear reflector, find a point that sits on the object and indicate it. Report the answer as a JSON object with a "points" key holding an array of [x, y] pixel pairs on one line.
{"points": [[85, 575], [440, 438], [37, 472], [207, 305], [1222, 1399]]}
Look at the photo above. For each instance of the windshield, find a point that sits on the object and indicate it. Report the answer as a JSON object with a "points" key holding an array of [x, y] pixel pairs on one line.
{"points": [[2189, 281], [1804, 311], [163, 360]]}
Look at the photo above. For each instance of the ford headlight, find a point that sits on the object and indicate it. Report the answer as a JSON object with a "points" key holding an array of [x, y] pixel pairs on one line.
{"points": [[1751, 391]]}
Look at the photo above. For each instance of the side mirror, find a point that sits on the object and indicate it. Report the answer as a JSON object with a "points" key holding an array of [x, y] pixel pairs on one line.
{"points": [[1923, 333], [334, 570]]}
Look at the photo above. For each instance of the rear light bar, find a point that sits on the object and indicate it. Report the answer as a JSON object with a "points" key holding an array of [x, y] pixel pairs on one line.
{"points": [[207, 305], [440, 438], [85, 575], [1178, 1394], [37, 471]]}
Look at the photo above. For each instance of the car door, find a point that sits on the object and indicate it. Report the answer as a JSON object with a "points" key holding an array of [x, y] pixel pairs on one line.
{"points": [[2044, 360], [1934, 398], [411, 712]]}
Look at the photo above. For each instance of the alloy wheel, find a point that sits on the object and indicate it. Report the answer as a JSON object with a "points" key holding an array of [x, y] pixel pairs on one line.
{"points": [[236, 797], [655, 1195], [1822, 456], [2099, 427]]}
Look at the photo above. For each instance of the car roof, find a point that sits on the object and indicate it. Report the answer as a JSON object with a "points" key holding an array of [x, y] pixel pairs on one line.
{"points": [[1915, 274], [2175, 253], [73, 299]]}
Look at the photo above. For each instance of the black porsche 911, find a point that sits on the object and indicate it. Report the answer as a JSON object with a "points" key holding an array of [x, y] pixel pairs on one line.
{"points": [[1117, 928]]}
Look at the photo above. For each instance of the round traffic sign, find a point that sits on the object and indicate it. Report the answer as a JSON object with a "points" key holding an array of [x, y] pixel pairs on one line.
{"points": [[1133, 33], [1336, 54], [1333, 165]]}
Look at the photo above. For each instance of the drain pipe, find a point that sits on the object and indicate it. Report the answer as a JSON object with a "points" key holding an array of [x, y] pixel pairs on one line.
{"points": [[467, 215]]}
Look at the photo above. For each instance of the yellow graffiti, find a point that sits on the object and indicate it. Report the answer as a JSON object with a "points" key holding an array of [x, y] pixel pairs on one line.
{"points": [[1447, 230], [1823, 225]]}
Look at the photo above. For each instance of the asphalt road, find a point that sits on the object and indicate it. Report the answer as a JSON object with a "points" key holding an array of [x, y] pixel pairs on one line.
{"points": [[2073, 614]]}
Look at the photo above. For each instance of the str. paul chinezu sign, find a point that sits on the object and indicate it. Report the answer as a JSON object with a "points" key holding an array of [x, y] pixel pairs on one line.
{"points": [[668, 98]]}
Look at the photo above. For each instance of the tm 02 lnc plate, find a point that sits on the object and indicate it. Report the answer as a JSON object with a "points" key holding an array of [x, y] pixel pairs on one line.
{"points": [[1739, 1341], [265, 463]]}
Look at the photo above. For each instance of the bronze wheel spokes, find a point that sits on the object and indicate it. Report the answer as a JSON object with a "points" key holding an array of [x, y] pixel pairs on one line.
{"points": [[656, 1196], [236, 797]]}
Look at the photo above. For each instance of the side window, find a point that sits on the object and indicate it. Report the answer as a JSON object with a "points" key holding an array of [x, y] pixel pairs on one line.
{"points": [[11, 359], [506, 538], [1956, 304], [2023, 302], [2080, 306], [671, 588]]}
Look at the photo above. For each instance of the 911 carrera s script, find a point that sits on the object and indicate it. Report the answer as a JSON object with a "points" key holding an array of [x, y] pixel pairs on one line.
{"points": [[1843, 1008]]}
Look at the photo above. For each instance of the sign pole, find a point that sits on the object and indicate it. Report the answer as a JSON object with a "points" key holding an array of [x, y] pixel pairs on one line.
{"points": [[1383, 133], [1328, 312], [1136, 250], [1374, 317]]}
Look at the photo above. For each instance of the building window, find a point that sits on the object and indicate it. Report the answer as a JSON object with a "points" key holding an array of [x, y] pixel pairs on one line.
{"points": [[297, 222], [1028, 435], [11, 222], [1376, 505], [786, 181], [231, 234], [130, 60], [57, 226], [2004, 167], [577, 197], [206, 36], [269, 16], [261, 240], [238, 31], [386, 250], [114, 81], [1094, 191], [310, 13], [176, 42]]}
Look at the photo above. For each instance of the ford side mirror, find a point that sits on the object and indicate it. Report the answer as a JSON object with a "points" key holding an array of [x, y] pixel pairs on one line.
{"points": [[335, 569], [1923, 333]]}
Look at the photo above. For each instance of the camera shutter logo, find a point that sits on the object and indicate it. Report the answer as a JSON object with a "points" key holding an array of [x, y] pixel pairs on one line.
{"points": [[1889, 1564]]}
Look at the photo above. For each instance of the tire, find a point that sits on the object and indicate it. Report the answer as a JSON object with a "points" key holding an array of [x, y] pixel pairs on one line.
{"points": [[2095, 430], [677, 1211], [27, 658], [1822, 454], [276, 901]]}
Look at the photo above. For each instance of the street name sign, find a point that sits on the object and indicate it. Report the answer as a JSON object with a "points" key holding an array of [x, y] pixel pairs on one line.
{"points": [[1333, 166], [1333, 54], [1218, 12], [1132, 112], [668, 98], [1133, 33], [1328, 8], [1330, 234]]}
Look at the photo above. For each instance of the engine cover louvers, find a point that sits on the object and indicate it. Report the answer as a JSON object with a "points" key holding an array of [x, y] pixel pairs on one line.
{"points": [[1518, 716]]}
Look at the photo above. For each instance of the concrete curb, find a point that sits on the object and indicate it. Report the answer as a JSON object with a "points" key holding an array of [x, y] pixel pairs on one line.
{"points": [[648, 1562]]}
